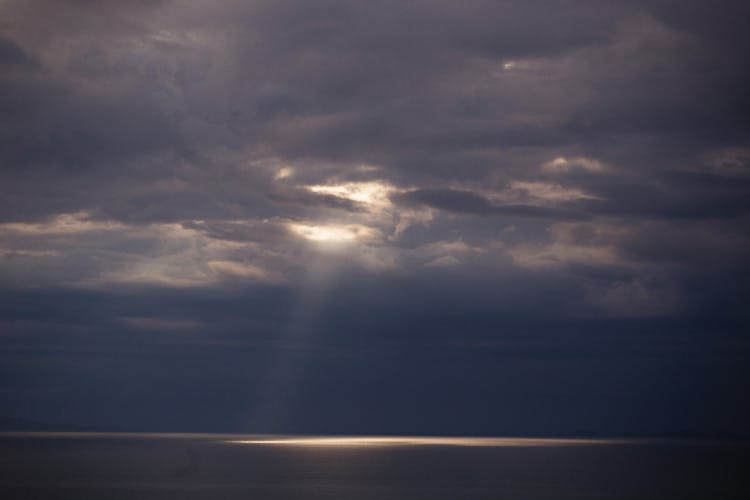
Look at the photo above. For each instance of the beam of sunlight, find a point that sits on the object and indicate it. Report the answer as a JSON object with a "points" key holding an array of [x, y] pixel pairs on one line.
{"points": [[288, 363]]}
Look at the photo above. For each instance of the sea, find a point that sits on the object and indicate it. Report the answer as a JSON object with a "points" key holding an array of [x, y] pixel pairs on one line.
{"points": [[215, 466]]}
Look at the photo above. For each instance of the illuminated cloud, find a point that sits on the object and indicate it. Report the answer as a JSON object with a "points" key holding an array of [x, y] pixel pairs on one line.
{"points": [[556, 255], [69, 223], [334, 233], [545, 192], [175, 255], [374, 195], [572, 243], [243, 270], [284, 173], [563, 165], [444, 261]]}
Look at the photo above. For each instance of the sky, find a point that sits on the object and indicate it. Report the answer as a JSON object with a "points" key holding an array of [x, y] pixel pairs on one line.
{"points": [[380, 217]]}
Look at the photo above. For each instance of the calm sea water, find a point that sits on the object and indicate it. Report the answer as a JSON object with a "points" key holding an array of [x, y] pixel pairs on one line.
{"points": [[110, 466]]}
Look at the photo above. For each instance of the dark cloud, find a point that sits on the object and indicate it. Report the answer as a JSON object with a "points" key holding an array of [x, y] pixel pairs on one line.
{"points": [[450, 199], [671, 195], [12, 55], [467, 202], [375, 360], [524, 208]]}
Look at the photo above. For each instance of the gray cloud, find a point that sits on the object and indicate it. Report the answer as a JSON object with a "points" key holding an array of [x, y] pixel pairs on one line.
{"points": [[467, 202], [12, 55], [499, 159]]}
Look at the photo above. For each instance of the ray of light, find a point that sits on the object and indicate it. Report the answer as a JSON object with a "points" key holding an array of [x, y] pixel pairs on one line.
{"points": [[288, 363]]}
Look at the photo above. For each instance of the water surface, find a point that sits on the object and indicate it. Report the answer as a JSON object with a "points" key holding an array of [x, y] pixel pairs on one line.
{"points": [[186, 466]]}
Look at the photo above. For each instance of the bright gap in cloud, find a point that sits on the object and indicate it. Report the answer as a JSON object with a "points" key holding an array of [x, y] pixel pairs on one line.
{"points": [[333, 233], [372, 193], [562, 165]]}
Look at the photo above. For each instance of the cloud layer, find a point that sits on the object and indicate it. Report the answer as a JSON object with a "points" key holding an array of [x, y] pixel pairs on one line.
{"points": [[505, 162]]}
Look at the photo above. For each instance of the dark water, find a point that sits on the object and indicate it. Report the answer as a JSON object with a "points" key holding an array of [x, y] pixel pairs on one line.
{"points": [[209, 467]]}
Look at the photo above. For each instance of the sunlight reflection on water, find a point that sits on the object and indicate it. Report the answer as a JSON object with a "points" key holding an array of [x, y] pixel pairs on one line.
{"points": [[57, 466], [358, 441]]}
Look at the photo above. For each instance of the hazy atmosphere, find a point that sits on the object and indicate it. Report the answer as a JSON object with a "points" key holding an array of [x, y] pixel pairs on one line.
{"points": [[387, 217]]}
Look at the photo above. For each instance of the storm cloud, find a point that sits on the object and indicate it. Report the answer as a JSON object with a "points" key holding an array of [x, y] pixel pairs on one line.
{"points": [[375, 207]]}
